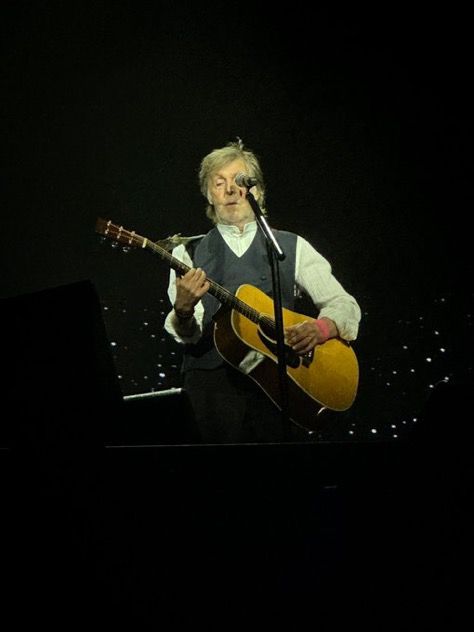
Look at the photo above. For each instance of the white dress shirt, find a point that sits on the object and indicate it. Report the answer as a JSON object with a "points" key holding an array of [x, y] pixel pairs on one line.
{"points": [[313, 276]]}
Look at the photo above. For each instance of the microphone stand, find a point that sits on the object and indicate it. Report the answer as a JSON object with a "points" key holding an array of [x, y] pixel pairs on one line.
{"points": [[275, 254]]}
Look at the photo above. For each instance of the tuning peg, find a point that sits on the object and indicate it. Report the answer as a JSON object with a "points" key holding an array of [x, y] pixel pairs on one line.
{"points": [[114, 244], [126, 249]]}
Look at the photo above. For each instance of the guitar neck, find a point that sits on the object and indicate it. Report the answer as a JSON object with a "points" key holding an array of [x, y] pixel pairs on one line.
{"points": [[132, 239]]}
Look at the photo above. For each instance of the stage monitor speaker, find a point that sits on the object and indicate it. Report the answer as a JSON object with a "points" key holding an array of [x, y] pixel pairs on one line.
{"points": [[59, 374]]}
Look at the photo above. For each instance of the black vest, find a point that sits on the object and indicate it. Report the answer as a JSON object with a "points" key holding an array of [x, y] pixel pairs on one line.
{"points": [[214, 256]]}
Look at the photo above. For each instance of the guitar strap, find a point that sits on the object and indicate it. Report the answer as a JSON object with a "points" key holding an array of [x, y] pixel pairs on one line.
{"points": [[172, 241]]}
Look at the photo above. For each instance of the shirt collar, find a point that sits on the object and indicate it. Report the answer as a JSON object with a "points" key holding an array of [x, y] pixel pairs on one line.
{"points": [[229, 230]]}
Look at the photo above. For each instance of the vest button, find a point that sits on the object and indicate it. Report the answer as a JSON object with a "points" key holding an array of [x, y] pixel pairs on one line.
{"points": [[263, 278]]}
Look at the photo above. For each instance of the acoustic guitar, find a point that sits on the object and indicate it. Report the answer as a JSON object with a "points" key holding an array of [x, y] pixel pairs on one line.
{"points": [[326, 378]]}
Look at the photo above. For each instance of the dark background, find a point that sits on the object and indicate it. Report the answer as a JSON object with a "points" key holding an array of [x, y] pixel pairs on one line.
{"points": [[362, 121]]}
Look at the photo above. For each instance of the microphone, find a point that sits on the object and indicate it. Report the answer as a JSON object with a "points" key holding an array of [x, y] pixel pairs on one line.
{"points": [[243, 180]]}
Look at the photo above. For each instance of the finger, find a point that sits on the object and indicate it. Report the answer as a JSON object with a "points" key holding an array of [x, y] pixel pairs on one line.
{"points": [[306, 349], [199, 278], [203, 289], [295, 328], [193, 280], [293, 331], [305, 344], [299, 346]]}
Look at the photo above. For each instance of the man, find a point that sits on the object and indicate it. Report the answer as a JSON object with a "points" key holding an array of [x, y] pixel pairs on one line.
{"points": [[230, 407]]}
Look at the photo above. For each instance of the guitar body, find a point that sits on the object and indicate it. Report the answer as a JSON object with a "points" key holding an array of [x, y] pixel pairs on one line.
{"points": [[328, 378]]}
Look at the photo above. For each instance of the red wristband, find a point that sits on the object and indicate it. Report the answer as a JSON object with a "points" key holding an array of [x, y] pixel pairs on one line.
{"points": [[323, 328]]}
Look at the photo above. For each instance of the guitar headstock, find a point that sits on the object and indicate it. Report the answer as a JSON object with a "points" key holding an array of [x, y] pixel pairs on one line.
{"points": [[119, 233]]}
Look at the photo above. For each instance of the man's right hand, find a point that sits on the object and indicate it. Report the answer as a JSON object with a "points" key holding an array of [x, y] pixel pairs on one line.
{"points": [[190, 288]]}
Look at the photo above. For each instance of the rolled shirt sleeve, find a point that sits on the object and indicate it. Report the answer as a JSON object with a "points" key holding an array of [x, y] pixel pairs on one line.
{"points": [[314, 276]]}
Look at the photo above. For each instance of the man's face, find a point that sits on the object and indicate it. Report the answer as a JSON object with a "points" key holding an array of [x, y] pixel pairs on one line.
{"points": [[230, 201]]}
